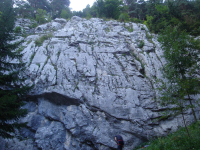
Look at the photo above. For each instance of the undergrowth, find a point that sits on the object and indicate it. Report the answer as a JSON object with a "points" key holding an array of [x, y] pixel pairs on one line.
{"points": [[178, 140], [40, 41]]}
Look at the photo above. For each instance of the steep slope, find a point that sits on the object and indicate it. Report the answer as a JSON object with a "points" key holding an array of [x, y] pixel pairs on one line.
{"points": [[93, 79]]}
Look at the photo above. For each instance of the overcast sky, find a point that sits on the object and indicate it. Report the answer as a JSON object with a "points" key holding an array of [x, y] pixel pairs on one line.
{"points": [[78, 5]]}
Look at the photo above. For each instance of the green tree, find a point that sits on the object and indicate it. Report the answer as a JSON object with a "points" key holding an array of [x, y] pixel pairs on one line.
{"points": [[181, 54], [112, 8], [40, 16], [58, 5], [11, 93], [42, 4], [124, 17], [66, 13], [86, 11], [100, 8]]}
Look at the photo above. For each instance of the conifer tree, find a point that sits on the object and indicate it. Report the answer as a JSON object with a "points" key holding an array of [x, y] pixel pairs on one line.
{"points": [[11, 93]]}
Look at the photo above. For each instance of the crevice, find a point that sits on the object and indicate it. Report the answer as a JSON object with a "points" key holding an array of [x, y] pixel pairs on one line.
{"points": [[56, 99]]}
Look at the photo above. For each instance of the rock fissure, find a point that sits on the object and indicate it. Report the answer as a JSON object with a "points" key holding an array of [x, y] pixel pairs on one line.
{"points": [[93, 81]]}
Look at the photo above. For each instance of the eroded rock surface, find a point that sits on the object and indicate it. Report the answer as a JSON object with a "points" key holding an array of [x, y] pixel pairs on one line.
{"points": [[93, 80]]}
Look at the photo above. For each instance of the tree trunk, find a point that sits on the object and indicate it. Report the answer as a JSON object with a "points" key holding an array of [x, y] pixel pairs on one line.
{"points": [[185, 123], [193, 112]]}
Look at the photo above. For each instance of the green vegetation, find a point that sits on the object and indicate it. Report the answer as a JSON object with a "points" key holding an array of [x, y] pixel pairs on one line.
{"points": [[124, 17], [130, 28], [66, 13], [40, 16], [11, 94], [34, 25], [156, 15], [181, 54], [136, 20], [178, 140], [107, 30], [40, 41], [20, 49], [141, 44], [31, 59], [17, 30]]}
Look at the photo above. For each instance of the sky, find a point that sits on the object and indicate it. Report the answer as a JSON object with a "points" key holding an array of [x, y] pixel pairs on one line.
{"points": [[78, 5]]}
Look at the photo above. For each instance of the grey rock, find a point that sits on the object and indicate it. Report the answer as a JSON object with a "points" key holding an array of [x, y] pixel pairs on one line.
{"points": [[91, 83], [60, 20], [51, 137]]}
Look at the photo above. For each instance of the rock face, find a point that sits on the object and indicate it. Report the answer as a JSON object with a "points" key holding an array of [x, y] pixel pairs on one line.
{"points": [[93, 79]]}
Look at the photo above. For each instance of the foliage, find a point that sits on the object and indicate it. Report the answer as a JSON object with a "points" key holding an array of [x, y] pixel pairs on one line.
{"points": [[18, 29], [154, 13], [40, 41], [65, 13], [177, 140], [136, 20], [141, 44], [148, 22], [181, 54], [40, 16], [11, 93], [88, 16], [124, 17], [57, 7], [101, 9], [112, 8], [130, 29], [39, 4], [34, 25]]}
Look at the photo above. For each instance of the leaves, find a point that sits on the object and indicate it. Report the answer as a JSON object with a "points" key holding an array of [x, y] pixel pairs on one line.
{"points": [[11, 93], [181, 54]]}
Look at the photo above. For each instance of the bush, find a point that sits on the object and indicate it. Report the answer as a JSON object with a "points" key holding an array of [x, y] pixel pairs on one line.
{"points": [[89, 16], [34, 25], [40, 41], [141, 44], [178, 140], [136, 20], [124, 17], [148, 23], [17, 30], [40, 16], [130, 28]]}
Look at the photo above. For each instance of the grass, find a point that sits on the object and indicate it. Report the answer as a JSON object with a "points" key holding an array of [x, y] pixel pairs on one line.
{"points": [[149, 36], [40, 41], [20, 49], [141, 44], [34, 25], [178, 140], [130, 28], [31, 59], [107, 30]]}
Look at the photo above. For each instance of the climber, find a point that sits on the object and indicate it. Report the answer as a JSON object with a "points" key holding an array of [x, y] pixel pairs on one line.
{"points": [[120, 142]]}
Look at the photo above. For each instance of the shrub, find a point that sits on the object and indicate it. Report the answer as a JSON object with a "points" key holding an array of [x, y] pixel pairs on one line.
{"points": [[34, 25], [130, 28], [136, 20], [141, 44], [178, 140], [17, 30], [40, 41], [124, 17], [148, 23], [40, 16], [89, 16]]}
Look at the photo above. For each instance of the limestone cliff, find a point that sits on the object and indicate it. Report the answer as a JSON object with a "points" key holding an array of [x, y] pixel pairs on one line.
{"points": [[93, 79]]}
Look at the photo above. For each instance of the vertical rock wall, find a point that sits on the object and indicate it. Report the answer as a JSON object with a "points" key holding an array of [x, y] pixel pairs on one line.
{"points": [[93, 79]]}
